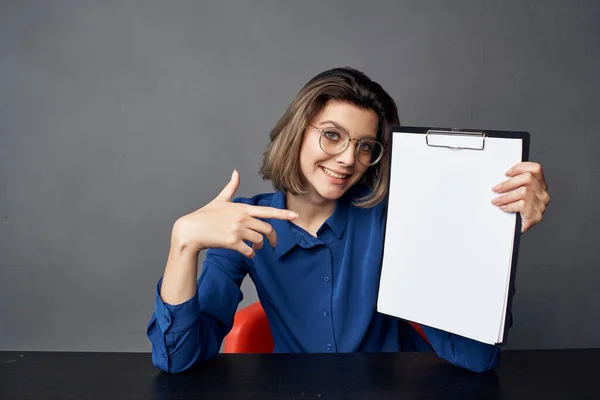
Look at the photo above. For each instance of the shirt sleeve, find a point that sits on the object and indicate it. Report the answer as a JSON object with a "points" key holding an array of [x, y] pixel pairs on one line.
{"points": [[188, 333], [464, 352]]}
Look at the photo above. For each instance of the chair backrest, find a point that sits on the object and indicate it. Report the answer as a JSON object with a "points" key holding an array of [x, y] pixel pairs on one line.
{"points": [[420, 330], [251, 332]]}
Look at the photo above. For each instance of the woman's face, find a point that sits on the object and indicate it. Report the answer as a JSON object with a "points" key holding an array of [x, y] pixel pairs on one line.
{"points": [[330, 176]]}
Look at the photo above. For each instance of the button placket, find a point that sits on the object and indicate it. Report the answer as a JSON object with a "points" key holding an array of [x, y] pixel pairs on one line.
{"points": [[327, 313]]}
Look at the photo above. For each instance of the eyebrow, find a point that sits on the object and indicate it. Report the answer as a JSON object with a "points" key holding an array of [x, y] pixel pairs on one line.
{"points": [[341, 128]]}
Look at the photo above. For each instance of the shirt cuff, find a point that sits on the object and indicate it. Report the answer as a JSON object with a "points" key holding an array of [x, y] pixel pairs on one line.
{"points": [[179, 318]]}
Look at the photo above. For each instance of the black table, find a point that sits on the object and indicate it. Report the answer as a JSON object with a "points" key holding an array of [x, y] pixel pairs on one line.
{"points": [[537, 374]]}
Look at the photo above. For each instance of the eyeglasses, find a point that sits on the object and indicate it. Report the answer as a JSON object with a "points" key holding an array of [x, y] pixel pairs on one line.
{"points": [[334, 141]]}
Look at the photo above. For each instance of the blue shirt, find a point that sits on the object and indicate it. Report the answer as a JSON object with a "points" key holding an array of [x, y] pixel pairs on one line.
{"points": [[319, 295]]}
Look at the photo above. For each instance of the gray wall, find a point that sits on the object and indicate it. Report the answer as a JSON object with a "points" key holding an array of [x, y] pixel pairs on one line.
{"points": [[116, 117]]}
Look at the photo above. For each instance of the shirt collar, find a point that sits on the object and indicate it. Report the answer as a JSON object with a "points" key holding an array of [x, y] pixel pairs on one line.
{"points": [[339, 219], [287, 239]]}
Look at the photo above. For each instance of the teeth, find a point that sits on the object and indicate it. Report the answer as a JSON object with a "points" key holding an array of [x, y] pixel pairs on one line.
{"points": [[333, 174]]}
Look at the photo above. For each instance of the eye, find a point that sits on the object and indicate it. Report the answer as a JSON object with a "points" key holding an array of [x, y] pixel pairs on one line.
{"points": [[332, 135], [366, 147]]}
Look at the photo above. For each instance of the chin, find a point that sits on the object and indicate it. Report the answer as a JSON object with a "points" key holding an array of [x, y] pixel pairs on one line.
{"points": [[334, 193], [330, 195], [325, 189]]}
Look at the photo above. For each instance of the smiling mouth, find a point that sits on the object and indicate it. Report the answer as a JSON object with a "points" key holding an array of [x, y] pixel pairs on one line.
{"points": [[334, 174]]}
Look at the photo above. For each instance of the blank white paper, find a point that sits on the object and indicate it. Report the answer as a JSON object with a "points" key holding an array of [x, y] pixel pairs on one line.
{"points": [[448, 250]]}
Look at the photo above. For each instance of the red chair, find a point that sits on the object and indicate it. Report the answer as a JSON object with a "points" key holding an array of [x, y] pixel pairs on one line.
{"points": [[251, 332]]}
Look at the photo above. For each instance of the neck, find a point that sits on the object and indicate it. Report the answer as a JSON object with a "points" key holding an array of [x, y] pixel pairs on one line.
{"points": [[312, 209]]}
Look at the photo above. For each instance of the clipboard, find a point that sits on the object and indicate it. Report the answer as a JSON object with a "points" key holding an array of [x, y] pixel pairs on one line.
{"points": [[449, 255]]}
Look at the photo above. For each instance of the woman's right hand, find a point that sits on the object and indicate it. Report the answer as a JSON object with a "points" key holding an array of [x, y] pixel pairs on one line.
{"points": [[224, 224]]}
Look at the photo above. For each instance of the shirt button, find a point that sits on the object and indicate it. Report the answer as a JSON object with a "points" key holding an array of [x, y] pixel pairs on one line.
{"points": [[326, 313], [329, 347], [167, 319], [326, 279]]}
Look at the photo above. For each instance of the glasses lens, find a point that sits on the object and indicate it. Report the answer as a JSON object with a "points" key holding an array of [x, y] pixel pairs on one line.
{"points": [[333, 141], [368, 152]]}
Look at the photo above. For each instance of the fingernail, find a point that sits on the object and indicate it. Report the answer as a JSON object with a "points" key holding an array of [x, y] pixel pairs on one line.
{"points": [[509, 171], [504, 207], [496, 200], [293, 215], [496, 188]]}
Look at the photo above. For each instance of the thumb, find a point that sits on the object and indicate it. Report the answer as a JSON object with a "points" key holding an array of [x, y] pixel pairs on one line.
{"points": [[229, 190]]}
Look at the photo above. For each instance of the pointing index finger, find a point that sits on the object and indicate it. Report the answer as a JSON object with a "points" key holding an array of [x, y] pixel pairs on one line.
{"points": [[270, 212]]}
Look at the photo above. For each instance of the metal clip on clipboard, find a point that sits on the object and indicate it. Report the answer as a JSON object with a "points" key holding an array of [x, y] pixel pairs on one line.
{"points": [[454, 134]]}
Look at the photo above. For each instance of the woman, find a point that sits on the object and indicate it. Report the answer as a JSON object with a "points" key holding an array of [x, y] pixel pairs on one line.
{"points": [[318, 277]]}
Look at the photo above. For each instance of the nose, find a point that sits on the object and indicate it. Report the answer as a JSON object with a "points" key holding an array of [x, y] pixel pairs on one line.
{"points": [[347, 157]]}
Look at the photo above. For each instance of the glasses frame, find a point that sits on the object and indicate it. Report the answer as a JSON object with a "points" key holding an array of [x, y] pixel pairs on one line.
{"points": [[358, 142]]}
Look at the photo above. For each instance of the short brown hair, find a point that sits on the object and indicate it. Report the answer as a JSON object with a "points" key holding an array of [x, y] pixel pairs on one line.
{"points": [[281, 164]]}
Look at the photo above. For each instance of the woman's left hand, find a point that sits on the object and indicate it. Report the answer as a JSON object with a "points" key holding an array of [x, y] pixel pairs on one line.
{"points": [[525, 192]]}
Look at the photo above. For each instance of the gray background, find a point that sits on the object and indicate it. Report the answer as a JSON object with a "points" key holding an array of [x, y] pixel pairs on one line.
{"points": [[117, 117]]}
